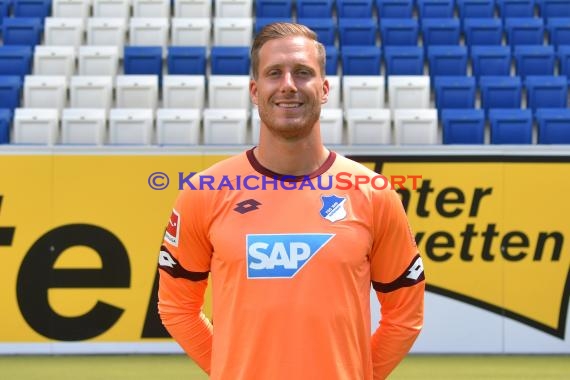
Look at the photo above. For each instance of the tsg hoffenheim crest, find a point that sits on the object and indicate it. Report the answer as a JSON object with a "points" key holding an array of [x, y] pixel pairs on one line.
{"points": [[333, 207]]}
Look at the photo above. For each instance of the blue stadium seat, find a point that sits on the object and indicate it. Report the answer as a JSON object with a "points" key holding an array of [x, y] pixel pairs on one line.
{"points": [[325, 28], [16, 60], [186, 60], [332, 60], [483, 31], [546, 92], [399, 32], [440, 31], [436, 8], [22, 31], [5, 9], [143, 60], [32, 8], [357, 31], [229, 60], [354, 8], [5, 121], [361, 60], [524, 31], [563, 55], [404, 60], [395, 8], [315, 8], [476, 8], [500, 92], [273, 8], [553, 125], [558, 31], [510, 126], [10, 91], [534, 60], [490, 60], [463, 126], [554, 8], [260, 22], [516, 8], [454, 92], [447, 60]]}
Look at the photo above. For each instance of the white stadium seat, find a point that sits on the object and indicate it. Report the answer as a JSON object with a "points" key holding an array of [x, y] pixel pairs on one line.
{"points": [[36, 126], [112, 8], [107, 32], [408, 91], [71, 8], [190, 31], [136, 91], [331, 126], [149, 32], [225, 126], [415, 126], [45, 91], [91, 92], [363, 91], [64, 31], [131, 126], [98, 60], [234, 8], [54, 60], [233, 31], [334, 92], [193, 8], [151, 8], [83, 126], [228, 91], [175, 126], [368, 126], [183, 91]]}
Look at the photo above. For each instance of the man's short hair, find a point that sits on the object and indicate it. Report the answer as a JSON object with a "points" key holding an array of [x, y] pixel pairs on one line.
{"points": [[282, 30]]}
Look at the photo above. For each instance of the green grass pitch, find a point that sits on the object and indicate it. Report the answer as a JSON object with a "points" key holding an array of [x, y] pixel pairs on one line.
{"points": [[174, 367]]}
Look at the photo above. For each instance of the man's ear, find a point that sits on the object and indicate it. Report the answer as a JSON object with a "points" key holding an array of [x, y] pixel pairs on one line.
{"points": [[326, 89], [253, 91]]}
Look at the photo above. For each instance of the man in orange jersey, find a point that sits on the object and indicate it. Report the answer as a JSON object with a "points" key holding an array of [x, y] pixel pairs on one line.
{"points": [[290, 266]]}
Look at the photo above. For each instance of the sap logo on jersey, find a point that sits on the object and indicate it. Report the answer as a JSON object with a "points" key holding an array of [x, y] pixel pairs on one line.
{"points": [[281, 255]]}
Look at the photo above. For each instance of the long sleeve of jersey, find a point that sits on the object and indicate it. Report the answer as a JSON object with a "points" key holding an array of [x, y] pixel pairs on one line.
{"points": [[184, 319], [398, 278], [184, 267]]}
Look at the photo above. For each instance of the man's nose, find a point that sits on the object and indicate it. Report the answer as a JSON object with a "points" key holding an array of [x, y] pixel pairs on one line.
{"points": [[288, 83]]}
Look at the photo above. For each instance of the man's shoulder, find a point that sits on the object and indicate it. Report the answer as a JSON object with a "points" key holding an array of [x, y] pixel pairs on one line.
{"points": [[345, 164], [233, 165]]}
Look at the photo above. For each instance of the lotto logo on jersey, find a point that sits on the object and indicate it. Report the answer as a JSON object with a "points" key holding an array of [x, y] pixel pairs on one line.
{"points": [[281, 255]]}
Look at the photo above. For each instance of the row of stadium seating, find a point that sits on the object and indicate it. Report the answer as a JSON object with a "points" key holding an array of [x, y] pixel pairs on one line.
{"points": [[288, 8], [239, 32], [142, 91], [146, 78], [136, 126], [444, 60]]}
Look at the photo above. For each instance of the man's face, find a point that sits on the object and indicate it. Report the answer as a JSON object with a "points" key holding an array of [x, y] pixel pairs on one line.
{"points": [[289, 89]]}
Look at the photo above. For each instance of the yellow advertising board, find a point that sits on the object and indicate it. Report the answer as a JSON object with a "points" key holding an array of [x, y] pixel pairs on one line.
{"points": [[493, 233], [79, 239]]}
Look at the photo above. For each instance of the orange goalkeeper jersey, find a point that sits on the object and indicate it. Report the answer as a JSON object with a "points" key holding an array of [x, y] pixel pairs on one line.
{"points": [[291, 263]]}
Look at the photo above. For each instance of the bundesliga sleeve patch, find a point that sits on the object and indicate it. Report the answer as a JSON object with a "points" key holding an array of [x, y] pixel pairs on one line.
{"points": [[411, 276], [170, 265], [173, 229]]}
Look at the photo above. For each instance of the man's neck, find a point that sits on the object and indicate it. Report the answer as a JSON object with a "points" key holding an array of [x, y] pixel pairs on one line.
{"points": [[291, 158]]}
